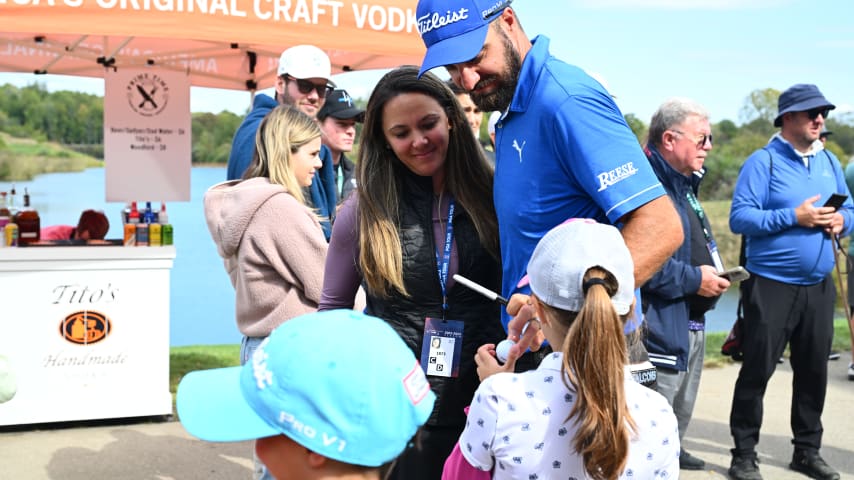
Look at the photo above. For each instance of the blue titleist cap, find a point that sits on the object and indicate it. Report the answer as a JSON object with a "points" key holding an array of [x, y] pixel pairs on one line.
{"points": [[340, 383], [454, 31]]}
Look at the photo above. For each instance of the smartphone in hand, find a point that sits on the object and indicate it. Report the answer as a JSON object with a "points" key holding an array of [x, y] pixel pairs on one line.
{"points": [[735, 274], [836, 200]]}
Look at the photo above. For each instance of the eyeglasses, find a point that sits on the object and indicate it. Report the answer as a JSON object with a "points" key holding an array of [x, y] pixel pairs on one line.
{"points": [[305, 87], [815, 112], [701, 140]]}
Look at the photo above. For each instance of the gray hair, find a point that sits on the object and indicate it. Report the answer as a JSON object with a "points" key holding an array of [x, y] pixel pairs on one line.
{"points": [[673, 112]]}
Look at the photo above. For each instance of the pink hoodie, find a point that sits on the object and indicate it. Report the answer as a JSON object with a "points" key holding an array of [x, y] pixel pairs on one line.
{"points": [[273, 248]]}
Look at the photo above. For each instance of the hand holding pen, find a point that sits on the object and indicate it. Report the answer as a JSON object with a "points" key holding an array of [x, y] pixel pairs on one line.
{"points": [[520, 338]]}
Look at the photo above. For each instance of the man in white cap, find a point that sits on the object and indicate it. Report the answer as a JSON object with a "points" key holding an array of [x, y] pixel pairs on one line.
{"points": [[303, 82], [563, 147], [790, 237]]}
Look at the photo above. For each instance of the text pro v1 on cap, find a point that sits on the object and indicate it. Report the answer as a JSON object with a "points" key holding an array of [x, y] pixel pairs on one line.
{"points": [[305, 61], [340, 383], [564, 254], [454, 30]]}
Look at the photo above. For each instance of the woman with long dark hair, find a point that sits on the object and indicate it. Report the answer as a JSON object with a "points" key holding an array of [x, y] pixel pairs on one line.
{"points": [[423, 212]]}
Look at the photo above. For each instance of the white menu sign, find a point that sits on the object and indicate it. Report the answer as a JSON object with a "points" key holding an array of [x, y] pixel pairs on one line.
{"points": [[147, 141]]}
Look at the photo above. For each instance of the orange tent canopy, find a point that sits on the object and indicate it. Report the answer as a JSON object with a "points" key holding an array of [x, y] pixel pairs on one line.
{"points": [[233, 44]]}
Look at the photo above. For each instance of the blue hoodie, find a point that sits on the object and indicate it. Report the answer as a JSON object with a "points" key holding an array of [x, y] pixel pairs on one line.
{"points": [[323, 192], [773, 182]]}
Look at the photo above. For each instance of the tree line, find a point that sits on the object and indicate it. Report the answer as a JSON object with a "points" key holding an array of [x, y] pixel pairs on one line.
{"points": [[76, 120]]}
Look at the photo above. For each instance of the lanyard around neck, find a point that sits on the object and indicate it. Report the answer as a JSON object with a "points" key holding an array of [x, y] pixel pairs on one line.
{"points": [[444, 261], [698, 209]]}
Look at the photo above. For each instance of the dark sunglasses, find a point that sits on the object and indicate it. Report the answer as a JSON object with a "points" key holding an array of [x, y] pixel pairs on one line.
{"points": [[815, 112], [701, 140], [305, 87]]}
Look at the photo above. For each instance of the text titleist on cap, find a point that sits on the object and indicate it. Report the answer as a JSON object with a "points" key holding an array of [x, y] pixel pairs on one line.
{"points": [[431, 21]]}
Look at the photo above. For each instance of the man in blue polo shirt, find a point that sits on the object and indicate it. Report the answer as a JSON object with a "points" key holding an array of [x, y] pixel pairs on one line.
{"points": [[563, 147]]}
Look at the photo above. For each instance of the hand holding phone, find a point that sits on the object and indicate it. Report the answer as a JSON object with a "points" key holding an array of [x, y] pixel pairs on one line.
{"points": [[735, 274], [836, 200]]}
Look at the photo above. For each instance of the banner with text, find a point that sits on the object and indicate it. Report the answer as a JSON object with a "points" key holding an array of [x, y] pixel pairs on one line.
{"points": [[147, 135]]}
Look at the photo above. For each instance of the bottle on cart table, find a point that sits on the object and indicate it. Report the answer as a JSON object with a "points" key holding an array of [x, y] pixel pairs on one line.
{"points": [[166, 230], [5, 213], [130, 226], [10, 234], [29, 223]]}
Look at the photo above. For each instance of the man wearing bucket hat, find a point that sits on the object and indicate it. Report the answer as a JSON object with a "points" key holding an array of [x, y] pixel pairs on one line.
{"points": [[328, 395], [303, 82], [778, 205], [563, 147], [337, 121]]}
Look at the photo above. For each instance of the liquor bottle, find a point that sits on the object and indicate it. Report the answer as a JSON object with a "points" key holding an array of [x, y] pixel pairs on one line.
{"points": [[12, 207], [166, 231], [5, 214], [29, 223]]}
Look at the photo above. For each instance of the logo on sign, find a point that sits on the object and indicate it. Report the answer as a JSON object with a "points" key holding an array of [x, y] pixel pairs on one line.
{"points": [[86, 327], [147, 94]]}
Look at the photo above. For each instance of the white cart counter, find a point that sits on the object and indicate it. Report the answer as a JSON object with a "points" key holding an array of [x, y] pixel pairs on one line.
{"points": [[86, 330]]}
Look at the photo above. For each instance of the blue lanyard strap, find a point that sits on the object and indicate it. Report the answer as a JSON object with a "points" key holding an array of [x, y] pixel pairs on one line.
{"points": [[445, 260]]}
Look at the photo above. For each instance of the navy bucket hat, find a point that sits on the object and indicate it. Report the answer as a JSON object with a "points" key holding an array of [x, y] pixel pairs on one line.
{"points": [[800, 98]]}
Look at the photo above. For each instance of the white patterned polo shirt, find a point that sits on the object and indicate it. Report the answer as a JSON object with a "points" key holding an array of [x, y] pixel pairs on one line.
{"points": [[517, 424]]}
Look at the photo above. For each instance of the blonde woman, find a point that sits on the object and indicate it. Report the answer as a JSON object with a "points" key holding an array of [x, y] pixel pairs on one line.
{"points": [[271, 242]]}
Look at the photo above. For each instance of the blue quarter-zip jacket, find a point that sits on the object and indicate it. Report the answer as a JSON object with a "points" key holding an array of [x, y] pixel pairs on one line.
{"points": [[774, 181]]}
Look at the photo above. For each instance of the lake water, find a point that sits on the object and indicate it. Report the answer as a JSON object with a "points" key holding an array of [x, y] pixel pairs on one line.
{"points": [[202, 306]]}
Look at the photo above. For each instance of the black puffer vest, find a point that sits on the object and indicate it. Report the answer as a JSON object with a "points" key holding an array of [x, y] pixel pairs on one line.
{"points": [[420, 276]]}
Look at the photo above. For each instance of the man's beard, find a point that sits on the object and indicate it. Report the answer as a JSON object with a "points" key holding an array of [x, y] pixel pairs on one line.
{"points": [[500, 98]]}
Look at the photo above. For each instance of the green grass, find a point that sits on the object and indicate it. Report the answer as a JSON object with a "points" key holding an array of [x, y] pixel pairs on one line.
{"points": [[841, 343], [23, 159], [728, 243], [183, 360]]}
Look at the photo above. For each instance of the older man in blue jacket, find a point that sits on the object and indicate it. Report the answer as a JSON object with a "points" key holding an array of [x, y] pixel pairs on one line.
{"points": [[677, 297]]}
